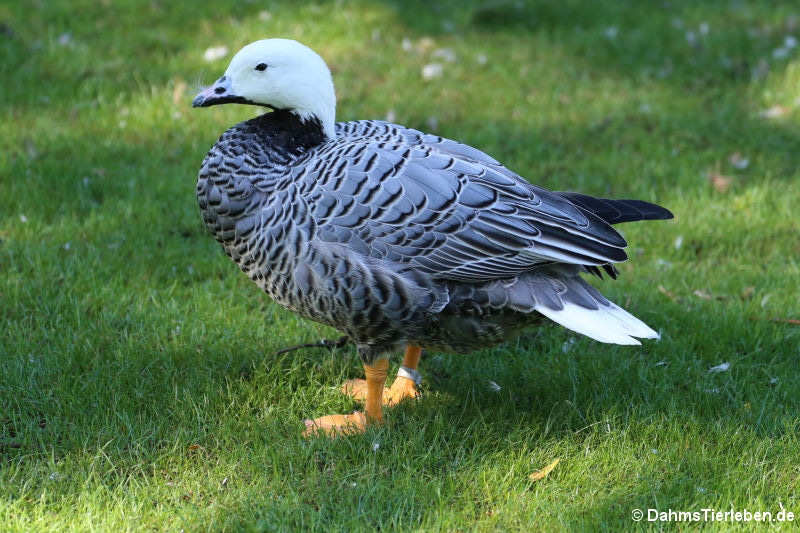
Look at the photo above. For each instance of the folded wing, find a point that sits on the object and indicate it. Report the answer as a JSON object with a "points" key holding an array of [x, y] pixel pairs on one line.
{"points": [[444, 208]]}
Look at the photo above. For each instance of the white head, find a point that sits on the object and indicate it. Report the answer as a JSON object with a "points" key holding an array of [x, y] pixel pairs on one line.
{"points": [[281, 74]]}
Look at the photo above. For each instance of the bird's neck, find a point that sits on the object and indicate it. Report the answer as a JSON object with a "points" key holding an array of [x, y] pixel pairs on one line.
{"points": [[324, 118], [287, 132]]}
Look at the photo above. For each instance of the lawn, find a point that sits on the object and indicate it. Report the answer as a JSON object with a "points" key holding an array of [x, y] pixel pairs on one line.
{"points": [[139, 386]]}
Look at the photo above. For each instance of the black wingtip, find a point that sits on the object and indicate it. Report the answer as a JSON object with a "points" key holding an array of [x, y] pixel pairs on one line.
{"points": [[653, 211], [618, 211]]}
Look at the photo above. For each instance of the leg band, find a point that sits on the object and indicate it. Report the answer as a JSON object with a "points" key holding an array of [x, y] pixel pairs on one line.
{"points": [[410, 373]]}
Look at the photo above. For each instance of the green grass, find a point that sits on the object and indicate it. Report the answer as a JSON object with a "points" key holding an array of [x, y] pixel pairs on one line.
{"points": [[138, 385]]}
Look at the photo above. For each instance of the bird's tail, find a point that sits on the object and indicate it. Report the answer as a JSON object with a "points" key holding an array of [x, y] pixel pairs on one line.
{"points": [[617, 211]]}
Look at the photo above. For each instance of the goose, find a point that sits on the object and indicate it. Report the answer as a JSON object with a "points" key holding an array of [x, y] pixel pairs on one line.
{"points": [[400, 239]]}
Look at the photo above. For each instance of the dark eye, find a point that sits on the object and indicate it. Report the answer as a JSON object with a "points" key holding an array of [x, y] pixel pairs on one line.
{"points": [[261, 67]]}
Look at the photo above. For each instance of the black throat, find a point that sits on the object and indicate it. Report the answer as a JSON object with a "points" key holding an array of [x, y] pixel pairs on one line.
{"points": [[285, 131]]}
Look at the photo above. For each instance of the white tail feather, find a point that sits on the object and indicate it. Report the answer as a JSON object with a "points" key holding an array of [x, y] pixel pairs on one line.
{"points": [[610, 323]]}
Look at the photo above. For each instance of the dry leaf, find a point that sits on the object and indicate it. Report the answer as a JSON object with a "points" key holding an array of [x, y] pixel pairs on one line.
{"points": [[776, 111], [214, 53], [702, 294], [667, 293], [793, 321], [723, 367], [178, 91], [446, 54], [425, 44], [747, 293], [719, 182], [544, 472], [432, 70], [738, 161]]}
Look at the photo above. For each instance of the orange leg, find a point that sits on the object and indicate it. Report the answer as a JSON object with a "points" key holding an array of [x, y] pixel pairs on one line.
{"points": [[357, 422], [404, 386]]}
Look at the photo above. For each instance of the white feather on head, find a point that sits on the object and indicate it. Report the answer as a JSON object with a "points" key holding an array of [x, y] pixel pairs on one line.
{"points": [[296, 79]]}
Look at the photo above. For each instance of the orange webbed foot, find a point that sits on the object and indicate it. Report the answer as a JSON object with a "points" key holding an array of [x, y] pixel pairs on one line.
{"points": [[335, 425]]}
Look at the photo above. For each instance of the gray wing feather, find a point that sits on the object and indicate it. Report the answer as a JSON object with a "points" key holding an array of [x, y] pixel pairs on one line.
{"points": [[443, 208]]}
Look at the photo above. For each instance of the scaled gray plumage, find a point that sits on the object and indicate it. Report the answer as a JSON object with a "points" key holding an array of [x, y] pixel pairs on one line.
{"points": [[396, 237]]}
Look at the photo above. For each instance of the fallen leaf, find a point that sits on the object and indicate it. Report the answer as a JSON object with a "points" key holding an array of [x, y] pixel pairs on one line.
{"points": [[425, 44], [702, 294], [747, 293], [215, 52], [432, 70], [446, 54], [792, 321], [723, 367], [776, 111], [178, 91], [720, 183], [667, 293], [738, 161], [544, 472]]}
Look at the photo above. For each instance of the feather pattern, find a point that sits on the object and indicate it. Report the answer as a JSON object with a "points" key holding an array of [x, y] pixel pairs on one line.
{"points": [[395, 236]]}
